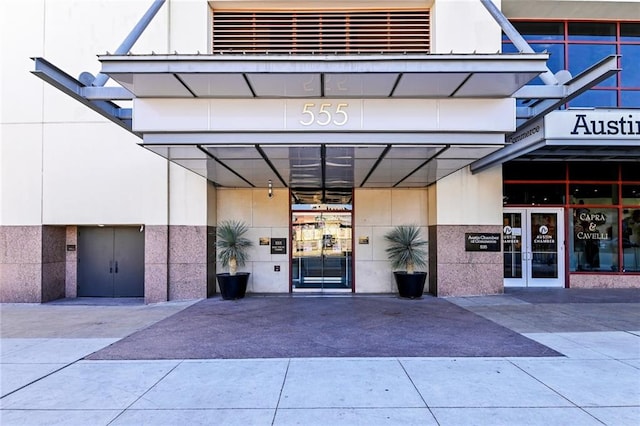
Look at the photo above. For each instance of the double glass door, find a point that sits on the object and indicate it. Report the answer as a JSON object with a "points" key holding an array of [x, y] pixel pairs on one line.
{"points": [[321, 251], [533, 247]]}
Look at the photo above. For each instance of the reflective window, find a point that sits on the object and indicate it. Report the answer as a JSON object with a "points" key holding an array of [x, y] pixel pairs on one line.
{"points": [[583, 56], [556, 55], [631, 240], [596, 98], [593, 246], [630, 98], [631, 65], [588, 43]]}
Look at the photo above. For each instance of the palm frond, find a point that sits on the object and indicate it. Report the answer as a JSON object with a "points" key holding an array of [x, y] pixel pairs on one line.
{"points": [[406, 248], [230, 242]]}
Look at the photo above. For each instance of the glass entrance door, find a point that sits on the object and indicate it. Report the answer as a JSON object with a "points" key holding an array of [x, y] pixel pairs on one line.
{"points": [[533, 247], [321, 251]]}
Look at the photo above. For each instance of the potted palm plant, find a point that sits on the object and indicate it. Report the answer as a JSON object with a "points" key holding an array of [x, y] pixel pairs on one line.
{"points": [[406, 252], [232, 252]]}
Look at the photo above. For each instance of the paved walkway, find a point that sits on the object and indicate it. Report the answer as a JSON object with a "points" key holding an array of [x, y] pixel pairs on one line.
{"points": [[47, 380]]}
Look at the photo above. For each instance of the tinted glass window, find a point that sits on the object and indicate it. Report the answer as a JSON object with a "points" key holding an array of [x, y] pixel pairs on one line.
{"points": [[540, 30], [592, 31], [631, 195], [630, 31], [594, 242], [631, 171], [593, 171], [604, 194], [533, 170], [534, 194]]}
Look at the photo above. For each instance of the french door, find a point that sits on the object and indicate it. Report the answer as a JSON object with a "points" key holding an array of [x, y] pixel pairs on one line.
{"points": [[110, 262], [533, 247]]}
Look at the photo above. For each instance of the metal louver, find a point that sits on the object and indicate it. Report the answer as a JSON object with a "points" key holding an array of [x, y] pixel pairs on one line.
{"points": [[321, 32]]}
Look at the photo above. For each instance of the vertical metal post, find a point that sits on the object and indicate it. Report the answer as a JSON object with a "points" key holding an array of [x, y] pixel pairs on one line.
{"points": [[518, 41], [133, 36]]}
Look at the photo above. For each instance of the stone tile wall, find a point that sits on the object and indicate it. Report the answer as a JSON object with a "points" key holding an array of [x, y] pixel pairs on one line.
{"points": [[456, 272], [71, 267], [187, 262], [156, 288], [21, 264], [54, 262], [604, 281]]}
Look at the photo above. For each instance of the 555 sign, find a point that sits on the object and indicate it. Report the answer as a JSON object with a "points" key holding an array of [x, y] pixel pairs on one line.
{"points": [[325, 114]]}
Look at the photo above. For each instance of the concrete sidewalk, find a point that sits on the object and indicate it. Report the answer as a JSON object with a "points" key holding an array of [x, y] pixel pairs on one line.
{"points": [[45, 379]]}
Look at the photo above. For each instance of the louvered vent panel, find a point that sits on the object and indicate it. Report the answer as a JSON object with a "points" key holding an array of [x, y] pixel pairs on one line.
{"points": [[321, 32]]}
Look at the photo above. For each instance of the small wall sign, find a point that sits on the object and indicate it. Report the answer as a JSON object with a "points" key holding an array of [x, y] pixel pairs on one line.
{"points": [[481, 242], [264, 241], [278, 246], [363, 240], [71, 247]]}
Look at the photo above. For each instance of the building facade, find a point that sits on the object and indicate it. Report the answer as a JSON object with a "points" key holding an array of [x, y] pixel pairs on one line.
{"points": [[322, 128]]}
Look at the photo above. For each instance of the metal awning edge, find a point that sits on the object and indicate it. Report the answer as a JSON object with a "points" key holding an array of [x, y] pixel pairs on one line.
{"points": [[119, 64], [74, 88]]}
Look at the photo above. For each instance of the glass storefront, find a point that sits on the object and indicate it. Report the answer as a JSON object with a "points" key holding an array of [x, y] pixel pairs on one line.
{"points": [[532, 248], [602, 205]]}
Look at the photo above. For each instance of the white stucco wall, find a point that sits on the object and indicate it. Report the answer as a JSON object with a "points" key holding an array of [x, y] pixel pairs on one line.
{"points": [[463, 198], [463, 26], [62, 163]]}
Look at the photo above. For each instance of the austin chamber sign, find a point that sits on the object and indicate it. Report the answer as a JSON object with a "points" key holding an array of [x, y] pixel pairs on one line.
{"points": [[617, 126], [593, 124]]}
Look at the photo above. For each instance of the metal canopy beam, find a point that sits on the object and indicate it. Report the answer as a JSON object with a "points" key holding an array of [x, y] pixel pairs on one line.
{"points": [[573, 88], [74, 88]]}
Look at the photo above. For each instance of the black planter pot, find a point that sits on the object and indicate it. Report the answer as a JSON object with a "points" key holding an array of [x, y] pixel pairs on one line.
{"points": [[410, 285], [233, 286]]}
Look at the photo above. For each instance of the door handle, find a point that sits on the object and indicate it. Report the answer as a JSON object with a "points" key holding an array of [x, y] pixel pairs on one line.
{"points": [[111, 267], [116, 267]]}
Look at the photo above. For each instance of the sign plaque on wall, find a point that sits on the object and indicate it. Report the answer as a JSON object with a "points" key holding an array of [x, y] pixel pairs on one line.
{"points": [[278, 246], [481, 242]]}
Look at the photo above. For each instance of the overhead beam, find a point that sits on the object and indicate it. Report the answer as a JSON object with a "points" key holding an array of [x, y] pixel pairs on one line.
{"points": [[74, 88], [521, 44], [130, 40], [573, 88]]}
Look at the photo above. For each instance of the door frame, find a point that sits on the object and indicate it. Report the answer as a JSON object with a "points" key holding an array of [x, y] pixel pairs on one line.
{"points": [[527, 255], [349, 259], [113, 257]]}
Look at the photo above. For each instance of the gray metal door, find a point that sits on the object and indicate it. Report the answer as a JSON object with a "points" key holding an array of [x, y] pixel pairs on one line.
{"points": [[110, 262]]}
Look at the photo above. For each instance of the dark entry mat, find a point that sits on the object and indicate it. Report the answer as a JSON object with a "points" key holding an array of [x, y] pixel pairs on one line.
{"points": [[294, 327]]}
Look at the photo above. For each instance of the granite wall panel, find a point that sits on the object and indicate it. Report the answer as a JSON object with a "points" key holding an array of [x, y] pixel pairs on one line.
{"points": [[453, 271], [54, 262], [21, 264], [604, 281]]}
